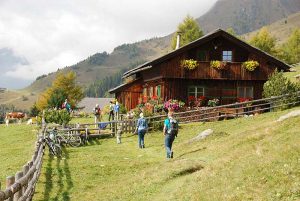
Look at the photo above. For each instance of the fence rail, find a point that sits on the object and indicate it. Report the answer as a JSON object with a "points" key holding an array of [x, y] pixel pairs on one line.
{"points": [[21, 186], [221, 112]]}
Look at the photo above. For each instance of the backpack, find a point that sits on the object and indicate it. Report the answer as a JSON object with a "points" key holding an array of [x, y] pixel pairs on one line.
{"points": [[142, 124], [173, 128], [97, 111]]}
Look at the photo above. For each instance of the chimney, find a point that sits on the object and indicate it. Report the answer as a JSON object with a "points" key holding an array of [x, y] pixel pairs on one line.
{"points": [[178, 40]]}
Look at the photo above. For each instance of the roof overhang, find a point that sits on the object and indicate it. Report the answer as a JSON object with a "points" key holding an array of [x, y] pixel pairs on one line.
{"points": [[202, 40], [122, 86]]}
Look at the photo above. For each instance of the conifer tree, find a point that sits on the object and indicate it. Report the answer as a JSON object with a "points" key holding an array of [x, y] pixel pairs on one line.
{"points": [[264, 41], [189, 31], [291, 49]]}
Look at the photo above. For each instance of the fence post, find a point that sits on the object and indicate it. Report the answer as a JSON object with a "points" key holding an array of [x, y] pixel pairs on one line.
{"points": [[126, 126], [25, 170], [86, 135], [9, 182], [43, 119], [19, 193]]}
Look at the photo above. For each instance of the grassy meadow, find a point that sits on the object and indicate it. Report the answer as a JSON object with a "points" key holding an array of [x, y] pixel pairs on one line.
{"points": [[252, 158], [16, 148]]}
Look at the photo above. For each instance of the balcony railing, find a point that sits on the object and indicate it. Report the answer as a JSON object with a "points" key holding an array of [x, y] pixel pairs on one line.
{"points": [[232, 71]]}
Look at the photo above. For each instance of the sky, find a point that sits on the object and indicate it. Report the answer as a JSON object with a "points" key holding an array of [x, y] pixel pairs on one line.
{"points": [[39, 36]]}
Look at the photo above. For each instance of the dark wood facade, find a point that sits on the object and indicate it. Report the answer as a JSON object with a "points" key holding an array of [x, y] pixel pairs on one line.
{"points": [[165, 78]]}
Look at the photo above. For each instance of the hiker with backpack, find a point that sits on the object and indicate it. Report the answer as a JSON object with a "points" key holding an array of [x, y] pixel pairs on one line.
{"points": [[97, 113], [66, 105], [170, 132], [141, 129]]}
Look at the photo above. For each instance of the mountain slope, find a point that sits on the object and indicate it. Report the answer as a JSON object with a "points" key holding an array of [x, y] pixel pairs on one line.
{"points": [[281, 29], [247, 15]]}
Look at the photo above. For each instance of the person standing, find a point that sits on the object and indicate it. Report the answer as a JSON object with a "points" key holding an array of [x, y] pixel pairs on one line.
{"points": [[170, 132], [111, 111], [141, 129], [111, 116], [97, 113], [66, 105], [117, 110]]}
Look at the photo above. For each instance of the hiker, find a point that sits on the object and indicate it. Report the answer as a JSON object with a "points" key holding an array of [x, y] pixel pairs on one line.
{"points": [[111, 111], [97, 113], [66, 106], [117, 109], [170, 132], [111, 115], [141, 129]]}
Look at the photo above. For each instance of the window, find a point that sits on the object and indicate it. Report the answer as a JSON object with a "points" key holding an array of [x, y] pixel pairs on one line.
{"points": [[227, 56], [202, 55], [150, 93], [158, 91], [195, 91], [144, 92], [245, 92]]}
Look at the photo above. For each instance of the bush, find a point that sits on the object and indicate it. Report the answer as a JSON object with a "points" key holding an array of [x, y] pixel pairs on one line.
{"points": [[278, 85], [34, 111], [57, 116], [173, 105], [213, 102], [122, 109]]}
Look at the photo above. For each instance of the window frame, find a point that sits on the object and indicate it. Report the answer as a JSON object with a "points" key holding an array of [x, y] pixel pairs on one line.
{"points": [[227, 55], [150, 92], [196, 93], [156, 91], [145, 91], [244, 89]]}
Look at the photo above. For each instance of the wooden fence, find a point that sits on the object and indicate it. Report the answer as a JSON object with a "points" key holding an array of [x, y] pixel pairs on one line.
{"points": [[202, 114], [22, 186]]}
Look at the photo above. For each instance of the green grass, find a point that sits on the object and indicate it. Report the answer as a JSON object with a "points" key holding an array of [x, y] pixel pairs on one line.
{"points": [[16, 148], [291, 75], [251, 158]]}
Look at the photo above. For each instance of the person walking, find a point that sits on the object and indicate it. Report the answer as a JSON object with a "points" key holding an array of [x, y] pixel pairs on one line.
{"points": [[170, 132], [141, 129]]}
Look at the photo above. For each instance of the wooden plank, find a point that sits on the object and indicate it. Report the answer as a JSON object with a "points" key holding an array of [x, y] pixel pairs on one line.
{"points": [[10, 180], [19, 193]]}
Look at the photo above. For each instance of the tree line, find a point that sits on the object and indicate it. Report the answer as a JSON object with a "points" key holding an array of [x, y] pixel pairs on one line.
{"points": [[99, 88]]}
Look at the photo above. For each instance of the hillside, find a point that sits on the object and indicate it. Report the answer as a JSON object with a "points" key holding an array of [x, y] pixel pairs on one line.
{"points": [[251, 158], [281, 29], [20, 99], [244, 16], [247, 15]]}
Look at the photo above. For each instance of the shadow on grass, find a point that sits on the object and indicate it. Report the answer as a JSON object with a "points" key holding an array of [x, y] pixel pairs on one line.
{"points": [[64, 181], [190, 152], [186, 171]]}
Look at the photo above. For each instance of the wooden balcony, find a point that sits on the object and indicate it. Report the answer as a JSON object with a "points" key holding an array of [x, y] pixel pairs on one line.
{"points": [[232, 71]]}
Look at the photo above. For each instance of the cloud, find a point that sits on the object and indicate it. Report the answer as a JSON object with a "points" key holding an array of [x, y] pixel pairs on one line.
{"points": [[53, 34]]}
